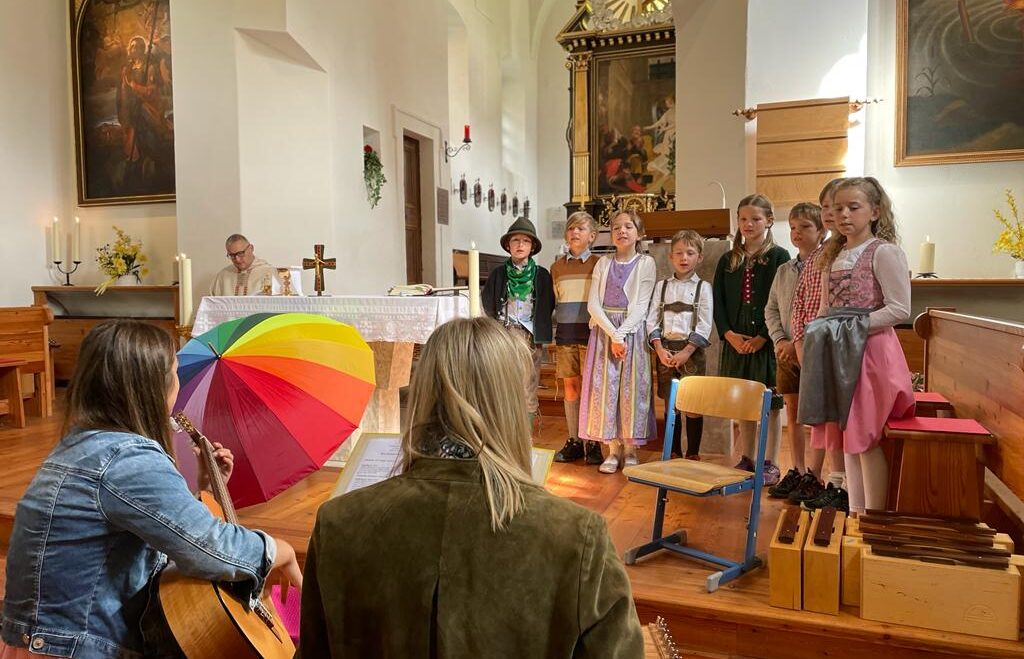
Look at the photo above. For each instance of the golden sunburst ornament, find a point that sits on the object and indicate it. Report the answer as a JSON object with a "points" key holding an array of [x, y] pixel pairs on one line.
{"points": [[626, 10]]}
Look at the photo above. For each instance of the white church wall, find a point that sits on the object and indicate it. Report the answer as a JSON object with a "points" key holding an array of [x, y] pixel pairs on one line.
{"points": [[37, 171], [711, 47], [822, 53], [950, 203]]}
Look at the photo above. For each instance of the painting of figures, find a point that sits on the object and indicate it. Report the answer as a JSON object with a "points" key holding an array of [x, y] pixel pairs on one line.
{"points": [[634, 124], [960, 81], [124, 114]]}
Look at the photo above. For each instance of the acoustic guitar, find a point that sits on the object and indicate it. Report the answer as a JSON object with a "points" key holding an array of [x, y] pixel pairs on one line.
{"points": [[207, 619]]}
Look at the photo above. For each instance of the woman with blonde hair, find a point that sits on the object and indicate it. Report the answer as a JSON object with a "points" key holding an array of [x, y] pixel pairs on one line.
{"points": [[462, 555]]}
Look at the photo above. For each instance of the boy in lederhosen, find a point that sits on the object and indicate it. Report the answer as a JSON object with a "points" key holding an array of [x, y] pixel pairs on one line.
{"points": [[679, 326]]}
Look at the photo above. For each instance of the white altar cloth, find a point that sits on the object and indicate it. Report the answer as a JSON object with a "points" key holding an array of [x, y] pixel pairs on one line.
{"points": [[377, 318]]}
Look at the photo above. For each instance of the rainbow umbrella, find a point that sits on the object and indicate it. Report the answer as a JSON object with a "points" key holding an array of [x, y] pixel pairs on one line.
{"points": [[282, 391]]}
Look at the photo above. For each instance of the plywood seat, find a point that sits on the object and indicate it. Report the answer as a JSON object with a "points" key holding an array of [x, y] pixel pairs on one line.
{"points": [[688, 475]]}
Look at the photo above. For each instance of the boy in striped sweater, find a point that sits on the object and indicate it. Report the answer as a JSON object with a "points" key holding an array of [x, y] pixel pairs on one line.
{"points": [[571, 275]]}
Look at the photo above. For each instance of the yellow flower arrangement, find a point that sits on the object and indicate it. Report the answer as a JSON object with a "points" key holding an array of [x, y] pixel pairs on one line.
{"points": [[1011, 240], [125, 257]]}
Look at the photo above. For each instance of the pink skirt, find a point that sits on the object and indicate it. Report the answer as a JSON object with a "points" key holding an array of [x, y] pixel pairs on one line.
{"points": [[884, 391]]}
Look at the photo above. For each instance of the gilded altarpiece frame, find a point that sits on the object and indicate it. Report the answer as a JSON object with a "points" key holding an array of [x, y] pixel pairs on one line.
{"points": [[621, 131]]}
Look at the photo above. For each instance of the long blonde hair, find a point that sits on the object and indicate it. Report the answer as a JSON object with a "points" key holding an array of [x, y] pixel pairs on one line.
{"points": [[738, 254], [470, 387], [884, 227]]}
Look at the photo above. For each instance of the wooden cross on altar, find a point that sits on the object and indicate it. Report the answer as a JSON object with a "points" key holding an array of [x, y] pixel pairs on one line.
{"points": [[317, 264]]}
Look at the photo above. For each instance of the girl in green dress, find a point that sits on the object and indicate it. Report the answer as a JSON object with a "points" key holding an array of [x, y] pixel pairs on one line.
{"points": [[742, 282]]}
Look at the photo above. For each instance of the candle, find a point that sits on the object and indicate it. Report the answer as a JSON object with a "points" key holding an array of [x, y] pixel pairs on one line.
{"points": [[177, 273], [474, 281], [926, 259], [465, 133], [186, 289], [56, 239], [76, 239]]}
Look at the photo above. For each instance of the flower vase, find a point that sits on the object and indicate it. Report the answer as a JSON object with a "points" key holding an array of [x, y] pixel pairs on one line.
{"points": [[128, 280], [1018, 269]]}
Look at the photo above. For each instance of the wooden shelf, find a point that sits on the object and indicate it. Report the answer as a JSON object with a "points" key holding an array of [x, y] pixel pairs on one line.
{"points": [[941, 283], [92, 289]]}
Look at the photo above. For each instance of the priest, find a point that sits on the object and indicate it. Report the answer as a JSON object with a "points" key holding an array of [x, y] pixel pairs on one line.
{"points": [[247, 275]]}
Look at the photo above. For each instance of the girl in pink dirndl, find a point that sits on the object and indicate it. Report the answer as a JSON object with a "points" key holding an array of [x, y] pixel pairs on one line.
{"points": [[863, 269]]}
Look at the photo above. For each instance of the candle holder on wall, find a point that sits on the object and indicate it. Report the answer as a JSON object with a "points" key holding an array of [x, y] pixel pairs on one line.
{"points": [[67, 273], [926, 275]]}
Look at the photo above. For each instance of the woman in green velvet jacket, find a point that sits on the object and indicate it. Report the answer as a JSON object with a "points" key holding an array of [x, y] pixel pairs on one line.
{"points": [[462, 555]]}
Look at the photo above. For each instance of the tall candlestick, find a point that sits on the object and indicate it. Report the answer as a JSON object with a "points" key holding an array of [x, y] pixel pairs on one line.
{"points": [[56, 239], [465, 133], [926, 258], [474, 280], [186, 289], [76, 239], [181, 297]]}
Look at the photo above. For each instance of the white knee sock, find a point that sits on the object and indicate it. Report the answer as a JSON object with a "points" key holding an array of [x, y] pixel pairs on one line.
{"points": [[854, 482], [572, 417], [875, 471], [748, 433]]}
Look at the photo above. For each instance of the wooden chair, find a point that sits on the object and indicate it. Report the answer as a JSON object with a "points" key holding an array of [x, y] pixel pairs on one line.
{"points": [[728, 398], [24, 336]]}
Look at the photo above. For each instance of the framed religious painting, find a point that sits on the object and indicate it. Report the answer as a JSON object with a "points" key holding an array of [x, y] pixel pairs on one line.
{"points": [[124, 112], [622, 128], [633, 122], [959, 81]]}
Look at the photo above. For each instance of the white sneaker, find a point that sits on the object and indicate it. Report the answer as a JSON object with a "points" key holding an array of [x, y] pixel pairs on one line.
{"points": [[610, 464], [630, 459]]}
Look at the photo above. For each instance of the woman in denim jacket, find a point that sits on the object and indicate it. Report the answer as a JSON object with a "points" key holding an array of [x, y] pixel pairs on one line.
{"points": [[107, 509]]}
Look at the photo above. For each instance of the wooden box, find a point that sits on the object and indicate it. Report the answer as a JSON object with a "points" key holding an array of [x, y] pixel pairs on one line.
{"points": [[785, 566], [822, 568], [951, 598], [849, 591]]}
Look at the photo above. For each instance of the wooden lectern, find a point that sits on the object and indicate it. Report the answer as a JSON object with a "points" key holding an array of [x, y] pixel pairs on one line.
{"points": [[708, 222]]}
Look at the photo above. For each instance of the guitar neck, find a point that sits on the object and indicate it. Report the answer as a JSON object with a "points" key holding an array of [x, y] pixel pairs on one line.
{"points": [[217, 484]]}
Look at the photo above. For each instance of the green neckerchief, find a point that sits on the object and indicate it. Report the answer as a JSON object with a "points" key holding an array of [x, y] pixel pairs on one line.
{"points": [[520, 282]]}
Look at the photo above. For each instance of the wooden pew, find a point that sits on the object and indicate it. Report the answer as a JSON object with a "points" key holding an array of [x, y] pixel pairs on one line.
{"points": [[24, 335], [978, 364]]}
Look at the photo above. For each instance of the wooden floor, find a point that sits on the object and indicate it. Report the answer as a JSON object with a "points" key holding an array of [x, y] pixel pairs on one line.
{"points": [[736, 621]]}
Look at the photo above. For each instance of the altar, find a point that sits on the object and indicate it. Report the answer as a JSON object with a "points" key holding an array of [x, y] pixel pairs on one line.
{"points": [[391, 325]]}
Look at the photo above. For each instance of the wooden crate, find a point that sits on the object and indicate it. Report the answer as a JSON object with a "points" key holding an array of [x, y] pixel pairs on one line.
{"points": [[785, 566], [822, 569], [951, 598], [849, 590]]}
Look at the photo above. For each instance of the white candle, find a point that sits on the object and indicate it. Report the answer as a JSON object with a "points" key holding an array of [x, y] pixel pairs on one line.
{"points": [[474, 281], [186, 289], [926, 259], [76, 239], [177, 274], [56, 239]]}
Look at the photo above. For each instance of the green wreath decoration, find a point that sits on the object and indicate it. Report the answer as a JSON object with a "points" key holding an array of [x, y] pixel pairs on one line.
{"points": [[373, 175]]}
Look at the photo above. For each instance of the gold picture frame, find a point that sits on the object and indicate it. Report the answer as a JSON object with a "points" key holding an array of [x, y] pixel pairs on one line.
{"points": [[956, 100], [123, 102]]}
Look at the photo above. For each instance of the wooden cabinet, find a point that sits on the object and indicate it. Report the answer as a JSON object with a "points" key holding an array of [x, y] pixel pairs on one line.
{"points": [[77, 309]]}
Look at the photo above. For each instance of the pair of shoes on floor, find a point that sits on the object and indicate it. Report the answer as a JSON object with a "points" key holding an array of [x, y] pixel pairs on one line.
{"points": [[808, 489], [745, 464], [788, 483], [571, 452], [832, 496], [612, 462], [695, 457], [771, 471]]}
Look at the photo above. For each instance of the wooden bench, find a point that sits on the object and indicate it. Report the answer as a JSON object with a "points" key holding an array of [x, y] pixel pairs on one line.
{"points": [[24, 337], [11, 402]]}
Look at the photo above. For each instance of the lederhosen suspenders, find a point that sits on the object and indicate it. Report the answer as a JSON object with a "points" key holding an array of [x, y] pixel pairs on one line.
{"points": [[677, 307]]}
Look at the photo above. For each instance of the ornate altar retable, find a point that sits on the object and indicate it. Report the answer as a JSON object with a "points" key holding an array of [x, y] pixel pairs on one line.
{"points": [[391, 325]]}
